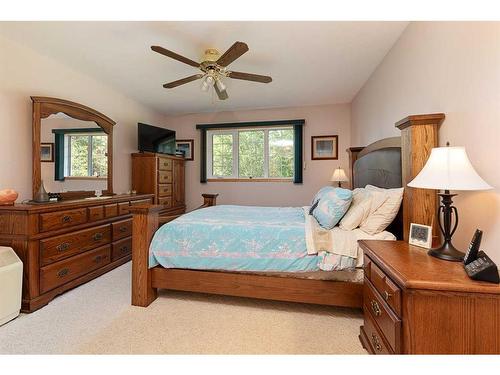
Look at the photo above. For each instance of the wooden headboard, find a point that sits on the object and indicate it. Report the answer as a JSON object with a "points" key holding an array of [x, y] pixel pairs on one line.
{"points": [[376, 164], [379, 164]]}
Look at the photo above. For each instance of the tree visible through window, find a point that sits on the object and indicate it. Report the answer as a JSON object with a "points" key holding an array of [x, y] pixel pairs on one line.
{"points": [[87, 155], [252, 153]]}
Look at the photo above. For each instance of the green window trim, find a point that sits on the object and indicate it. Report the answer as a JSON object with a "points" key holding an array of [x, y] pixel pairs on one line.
{"points": [[297, 141], [59, 146]]}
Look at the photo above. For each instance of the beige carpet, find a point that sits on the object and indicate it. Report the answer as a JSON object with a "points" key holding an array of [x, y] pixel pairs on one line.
{"points": [[97, 318]]}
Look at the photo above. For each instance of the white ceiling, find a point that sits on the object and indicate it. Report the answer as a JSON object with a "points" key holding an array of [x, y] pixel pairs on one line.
{"points": [[310, 62]]}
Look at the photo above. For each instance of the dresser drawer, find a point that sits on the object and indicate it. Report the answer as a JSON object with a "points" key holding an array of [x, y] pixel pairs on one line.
{"points": [[122, 229], [164, 190], [141, 201], [165, 177], [96, 213], [62, 219], [111, 210], [64, 271], [121, 248], [165, 201], [66, 245], [374, 337], [387, 289], [388, 323], [123, 208], [164, 164]]}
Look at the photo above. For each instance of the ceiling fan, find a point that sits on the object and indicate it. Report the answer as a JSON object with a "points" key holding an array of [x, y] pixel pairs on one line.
{"points": [[214, 68]]}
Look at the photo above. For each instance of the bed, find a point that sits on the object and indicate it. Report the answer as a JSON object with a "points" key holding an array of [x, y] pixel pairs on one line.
{"points": [[181, 267]]}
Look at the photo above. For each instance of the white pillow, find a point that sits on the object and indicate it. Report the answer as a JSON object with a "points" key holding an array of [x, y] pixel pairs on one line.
{"points": [[363, 204], [380, 218]]}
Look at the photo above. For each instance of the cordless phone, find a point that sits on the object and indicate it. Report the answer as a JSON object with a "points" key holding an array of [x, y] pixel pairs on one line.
{"points": [[471, 254], [477, 264]]}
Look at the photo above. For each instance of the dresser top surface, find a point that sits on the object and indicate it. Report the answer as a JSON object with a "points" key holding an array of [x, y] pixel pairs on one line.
{"points": [[75, 203], [412, 268]]}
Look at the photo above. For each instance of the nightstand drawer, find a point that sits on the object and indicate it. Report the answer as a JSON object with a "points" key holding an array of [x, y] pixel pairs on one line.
{"points": [[387, 289], [374, 337], [388, 323]]}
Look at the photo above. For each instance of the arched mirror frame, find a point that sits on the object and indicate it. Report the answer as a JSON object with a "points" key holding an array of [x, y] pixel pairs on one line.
{"points": [[43, 107]]}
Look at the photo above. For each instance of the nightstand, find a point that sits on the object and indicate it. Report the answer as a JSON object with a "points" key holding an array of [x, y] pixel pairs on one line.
{"points": [[417, 304]]}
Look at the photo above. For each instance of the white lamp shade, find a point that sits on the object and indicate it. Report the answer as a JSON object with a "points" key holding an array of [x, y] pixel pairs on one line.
{"points": [[449, 168], [339, 175]]}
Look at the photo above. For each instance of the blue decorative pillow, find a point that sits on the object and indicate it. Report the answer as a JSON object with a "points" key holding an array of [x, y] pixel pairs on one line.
{"points": [[332, 207], [320, 193]]}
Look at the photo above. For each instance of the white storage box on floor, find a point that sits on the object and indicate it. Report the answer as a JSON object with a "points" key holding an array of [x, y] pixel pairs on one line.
{"points": [[11, 282]]}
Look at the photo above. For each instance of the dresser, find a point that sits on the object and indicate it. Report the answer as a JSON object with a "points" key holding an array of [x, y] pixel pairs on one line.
{"points": [[417, 304], [161, 175], [67, 243]]}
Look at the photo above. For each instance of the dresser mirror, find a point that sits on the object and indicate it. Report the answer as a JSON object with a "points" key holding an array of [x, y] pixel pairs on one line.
{"points": [[72, 149]]}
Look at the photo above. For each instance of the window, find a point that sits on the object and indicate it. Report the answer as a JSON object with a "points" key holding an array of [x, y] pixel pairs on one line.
{"points": [[251, 153], [85, 155]]}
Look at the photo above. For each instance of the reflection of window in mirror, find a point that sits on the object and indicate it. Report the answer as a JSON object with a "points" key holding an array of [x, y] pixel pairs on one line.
{"points": [[85, 155]]}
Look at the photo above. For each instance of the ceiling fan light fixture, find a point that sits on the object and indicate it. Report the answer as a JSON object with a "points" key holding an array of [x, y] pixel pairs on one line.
{"points": [[220, 85], [207, 83]]}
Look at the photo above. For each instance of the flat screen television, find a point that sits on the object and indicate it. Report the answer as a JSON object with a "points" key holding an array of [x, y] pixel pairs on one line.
{"points": [[155, 139]]}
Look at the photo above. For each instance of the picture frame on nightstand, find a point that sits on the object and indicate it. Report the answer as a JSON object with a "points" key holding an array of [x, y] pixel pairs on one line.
{"points": [[420, 235]]}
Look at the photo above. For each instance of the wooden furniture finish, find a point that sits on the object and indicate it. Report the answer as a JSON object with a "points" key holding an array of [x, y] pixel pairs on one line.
{"points": [[65, 244], [43, 107], [161, 175], [419, 134], [417, 304]]}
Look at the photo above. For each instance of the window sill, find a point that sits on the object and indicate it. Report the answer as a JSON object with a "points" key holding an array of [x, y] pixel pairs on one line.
{"points": [[249, 180], [86, 178]]}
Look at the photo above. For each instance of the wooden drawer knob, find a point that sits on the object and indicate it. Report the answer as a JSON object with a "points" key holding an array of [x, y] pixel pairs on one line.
{"points": [[376, 308], [387, 295], [62, 247], [63, 272], [376, 342], [98, 236]]}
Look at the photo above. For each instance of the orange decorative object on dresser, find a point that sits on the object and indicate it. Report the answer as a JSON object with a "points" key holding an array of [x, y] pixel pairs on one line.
{"points": [[8, 197]]}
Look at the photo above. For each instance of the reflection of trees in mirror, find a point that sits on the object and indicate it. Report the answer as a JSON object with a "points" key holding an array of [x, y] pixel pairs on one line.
{"points": [[88, 155]]}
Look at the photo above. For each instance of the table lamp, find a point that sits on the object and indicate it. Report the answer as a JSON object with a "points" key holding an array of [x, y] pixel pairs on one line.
{"points": [[339, 176], [448, 168]]}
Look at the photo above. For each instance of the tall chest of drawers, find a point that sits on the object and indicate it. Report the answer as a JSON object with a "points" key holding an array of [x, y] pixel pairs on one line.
{"points": [[65, 244], [417, 304], [161, 175]]}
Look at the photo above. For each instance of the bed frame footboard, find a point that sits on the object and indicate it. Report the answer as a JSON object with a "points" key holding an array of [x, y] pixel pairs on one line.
{"points": [[146, 221]]}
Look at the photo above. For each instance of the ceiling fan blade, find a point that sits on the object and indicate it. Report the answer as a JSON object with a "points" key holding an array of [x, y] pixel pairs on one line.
{"points": [[249, 77], [175, 56], [182, 81], [221, 94], [235, 51]]}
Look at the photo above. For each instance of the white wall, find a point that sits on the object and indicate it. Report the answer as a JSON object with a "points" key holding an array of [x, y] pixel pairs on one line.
{"points": [[450, 67], [320, 120], [23, 73]]}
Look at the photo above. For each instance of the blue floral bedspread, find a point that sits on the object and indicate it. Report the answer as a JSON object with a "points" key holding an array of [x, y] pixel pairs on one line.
{"points": [[235, 238]]}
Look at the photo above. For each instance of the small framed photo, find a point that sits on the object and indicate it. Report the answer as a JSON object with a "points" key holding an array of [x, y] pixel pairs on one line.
{"points": [[420, 235], [325, 147], [47, 152], [186, 146]]}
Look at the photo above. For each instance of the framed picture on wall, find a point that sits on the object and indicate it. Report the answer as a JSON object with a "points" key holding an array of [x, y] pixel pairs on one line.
{"points": [[47, 152], [325, 147], [186, 146]]}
